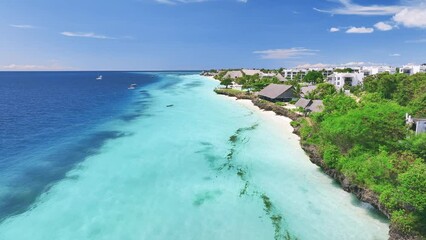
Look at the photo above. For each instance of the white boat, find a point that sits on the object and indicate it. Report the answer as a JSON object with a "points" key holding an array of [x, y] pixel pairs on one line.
{"points": [[99, 77], [132, 86]]}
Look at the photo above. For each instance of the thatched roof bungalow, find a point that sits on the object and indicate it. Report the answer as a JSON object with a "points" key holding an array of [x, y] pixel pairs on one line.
{"points": [[277, 93], [310, 105]]}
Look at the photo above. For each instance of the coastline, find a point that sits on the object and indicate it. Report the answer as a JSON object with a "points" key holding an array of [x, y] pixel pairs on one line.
{"points": [[281, 121], [312, 151]]}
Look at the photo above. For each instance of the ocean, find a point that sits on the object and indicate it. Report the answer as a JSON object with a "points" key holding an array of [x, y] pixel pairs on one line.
{"points": [[82, 158]]}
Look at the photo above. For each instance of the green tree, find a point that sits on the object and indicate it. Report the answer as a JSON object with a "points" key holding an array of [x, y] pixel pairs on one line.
{"points": [[371, 126], [416, 144], [338, 104], [322, 91], [345, 70], [313, 77], [298, 77], [385, 84], [226, 82]]}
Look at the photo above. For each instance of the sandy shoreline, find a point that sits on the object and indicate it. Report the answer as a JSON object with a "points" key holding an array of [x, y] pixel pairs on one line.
{"points": [[281, 122]]}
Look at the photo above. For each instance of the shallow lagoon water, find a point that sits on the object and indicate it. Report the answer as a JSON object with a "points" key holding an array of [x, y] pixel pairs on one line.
{"points": [[189, 164]]}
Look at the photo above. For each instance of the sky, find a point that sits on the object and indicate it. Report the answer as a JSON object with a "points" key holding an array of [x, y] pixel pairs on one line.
{"points": [[207, 34]]}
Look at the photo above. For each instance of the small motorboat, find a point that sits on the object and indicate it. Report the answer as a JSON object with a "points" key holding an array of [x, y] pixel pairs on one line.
{"points": [[99, 77], [132, 86]]}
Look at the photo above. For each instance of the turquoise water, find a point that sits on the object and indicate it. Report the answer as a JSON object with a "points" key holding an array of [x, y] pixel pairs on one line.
{"points": [[204, 168]]}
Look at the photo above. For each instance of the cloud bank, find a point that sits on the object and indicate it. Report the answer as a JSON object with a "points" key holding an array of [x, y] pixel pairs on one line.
{"points": [[286, 53]]}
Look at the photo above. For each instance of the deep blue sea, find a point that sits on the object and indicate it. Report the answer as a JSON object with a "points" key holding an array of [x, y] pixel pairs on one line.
{"points": [[48, 124], [82, 158]]}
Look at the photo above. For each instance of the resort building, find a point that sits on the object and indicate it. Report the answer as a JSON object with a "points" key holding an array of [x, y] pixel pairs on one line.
{"points": [[417, 124], [377, 70], [233, 74], [277, 93], [327, 72], [349, 79], [310, 105], [292, 73], [413, 69]]}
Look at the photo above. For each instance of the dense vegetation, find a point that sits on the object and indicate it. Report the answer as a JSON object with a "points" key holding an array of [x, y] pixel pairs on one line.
{"points": [[256, 82], [364, 136], [322, 91], [248, 82], [344, 70], [314, 77], [366, 139], [406, 90]]}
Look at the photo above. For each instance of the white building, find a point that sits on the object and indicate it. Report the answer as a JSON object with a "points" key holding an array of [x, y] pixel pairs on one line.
{"points": [[417, 124], [413, 69], [341, 79], [373, 70], [291, 73]]}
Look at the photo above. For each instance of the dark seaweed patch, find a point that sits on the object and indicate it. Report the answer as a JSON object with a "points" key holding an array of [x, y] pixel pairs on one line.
{"points": [[130, 117], [200, 199], [233, 138], [236, 141], [267, 203], [276, 218], [193, 84], [243, 191], [241, 173], [206, 144]]}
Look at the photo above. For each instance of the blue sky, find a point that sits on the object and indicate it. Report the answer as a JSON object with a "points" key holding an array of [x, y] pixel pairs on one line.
{"points": [[204, 34]]}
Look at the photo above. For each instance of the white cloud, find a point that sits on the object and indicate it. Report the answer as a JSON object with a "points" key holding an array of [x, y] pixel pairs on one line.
{"points": [[395, 55], [360, 30], [382, 26], [286, 53], [412, 17], [22, 26], [411, 13], [85, 35], [29, 67], [349, 8], [334, 29]]}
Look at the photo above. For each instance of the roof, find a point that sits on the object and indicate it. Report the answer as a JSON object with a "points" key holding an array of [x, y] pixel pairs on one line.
{"points": [[316, 106], [233, 74], [303, 103], [419, 119], [307, 89], [273, 91], [251, 72], [280, 77]]}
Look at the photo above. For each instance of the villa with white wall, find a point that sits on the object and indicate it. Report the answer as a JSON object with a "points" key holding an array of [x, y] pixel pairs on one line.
{"points": [[373, 70], [341, 79], [413, 69], [291, 73]]}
